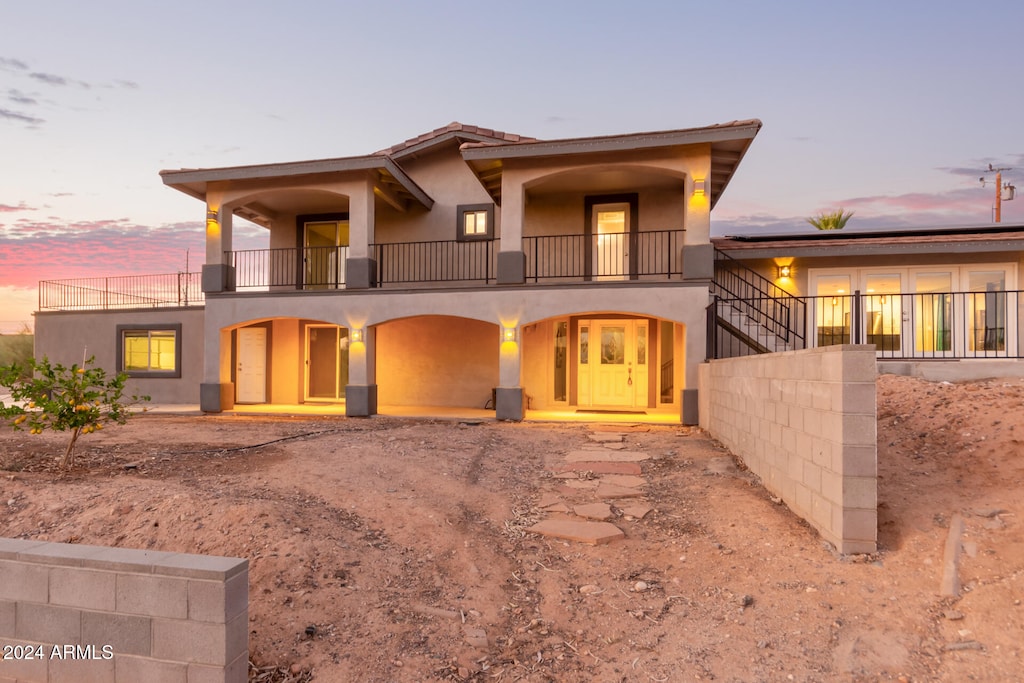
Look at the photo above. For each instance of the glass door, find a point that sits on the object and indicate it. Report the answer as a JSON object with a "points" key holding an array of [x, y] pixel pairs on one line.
{"points": [[326, 362], [611, 241], [325, 247], [883, 312], [833, 310], [931, 314]]}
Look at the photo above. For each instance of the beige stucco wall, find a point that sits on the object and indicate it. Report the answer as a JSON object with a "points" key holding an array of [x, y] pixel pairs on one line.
{"points": [[436, 361], [65, 336], [805, 423]]}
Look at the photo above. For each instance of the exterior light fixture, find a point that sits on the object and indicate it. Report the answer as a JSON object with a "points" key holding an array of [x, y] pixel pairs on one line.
{"points": [[699, 187], [508, 334], [785, 271], [357, 335]]}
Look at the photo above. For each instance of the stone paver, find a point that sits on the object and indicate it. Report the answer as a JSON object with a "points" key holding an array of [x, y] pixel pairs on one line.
{"points": [[606, 437], [594, 533], [613, 491], [615, 446], [605, 455], [624, 480], [582, 483], [638, 511], [599, 467], [599, 511]]}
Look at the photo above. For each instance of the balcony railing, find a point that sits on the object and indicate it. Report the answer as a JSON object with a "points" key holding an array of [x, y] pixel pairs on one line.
{"points": [[289, 268], [126, 291], [615, 256], [905, 326], [439, 261]]}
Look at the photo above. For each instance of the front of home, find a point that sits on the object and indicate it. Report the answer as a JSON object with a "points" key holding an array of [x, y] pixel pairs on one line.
{"points": [[465, 267]]}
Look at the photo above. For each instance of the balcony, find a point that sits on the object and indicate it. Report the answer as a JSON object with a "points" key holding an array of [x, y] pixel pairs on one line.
{"points": [[649, 256]]}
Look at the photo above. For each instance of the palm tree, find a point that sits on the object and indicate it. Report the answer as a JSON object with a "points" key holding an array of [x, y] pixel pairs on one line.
{"points": [[835, 220]]}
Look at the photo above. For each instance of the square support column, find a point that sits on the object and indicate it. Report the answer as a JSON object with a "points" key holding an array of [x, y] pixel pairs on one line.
{"points": [[360, 267], [361, 393], [509, 398], [511, 259], [216, 392]]}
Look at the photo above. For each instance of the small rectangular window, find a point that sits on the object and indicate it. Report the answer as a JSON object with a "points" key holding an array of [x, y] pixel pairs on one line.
{"points": [[475, 222], [149, 351]]}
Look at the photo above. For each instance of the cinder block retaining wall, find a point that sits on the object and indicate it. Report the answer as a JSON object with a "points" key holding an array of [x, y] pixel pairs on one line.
{"points": [[90, 613], [805, 423]]}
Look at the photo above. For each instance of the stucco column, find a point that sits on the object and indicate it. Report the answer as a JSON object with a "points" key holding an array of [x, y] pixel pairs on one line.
{"points": [[218, 274], [216, 392], [698, 257], [360, 267], [509, 395], [511, 259], [361, 391], [696, 348]]}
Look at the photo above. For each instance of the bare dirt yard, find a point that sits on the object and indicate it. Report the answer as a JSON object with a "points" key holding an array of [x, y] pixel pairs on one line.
{"points": [[396, 549]]}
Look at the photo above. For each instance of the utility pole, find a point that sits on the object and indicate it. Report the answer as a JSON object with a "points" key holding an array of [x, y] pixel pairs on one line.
{"points": [[1002, 191]]}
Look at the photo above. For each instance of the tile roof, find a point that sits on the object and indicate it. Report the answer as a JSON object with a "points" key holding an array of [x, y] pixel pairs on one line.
{"points": [[483, 135]]}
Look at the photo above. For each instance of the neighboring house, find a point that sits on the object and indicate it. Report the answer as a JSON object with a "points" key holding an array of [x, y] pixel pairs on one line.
{"points": [[920, 295], [465, 267]]}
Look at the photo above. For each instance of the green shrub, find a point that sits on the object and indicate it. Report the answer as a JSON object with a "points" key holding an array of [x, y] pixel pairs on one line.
{"points": [[76, 399]]}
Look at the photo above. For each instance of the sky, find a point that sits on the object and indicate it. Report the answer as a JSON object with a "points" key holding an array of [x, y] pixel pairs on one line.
{"points": [[890, 109]]}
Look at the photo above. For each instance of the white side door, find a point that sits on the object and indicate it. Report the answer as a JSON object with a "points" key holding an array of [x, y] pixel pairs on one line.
{"points": [[251, 368]]}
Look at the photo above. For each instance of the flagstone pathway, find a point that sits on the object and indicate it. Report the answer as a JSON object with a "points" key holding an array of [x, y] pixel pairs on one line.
{"points": [[593, 482]]}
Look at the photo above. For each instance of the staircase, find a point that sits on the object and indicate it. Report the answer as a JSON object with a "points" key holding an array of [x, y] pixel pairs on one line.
{"points": [[750, 314]]}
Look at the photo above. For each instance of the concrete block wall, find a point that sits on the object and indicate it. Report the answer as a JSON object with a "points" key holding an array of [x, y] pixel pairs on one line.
{"points": [[805, 423], [91, 613]]}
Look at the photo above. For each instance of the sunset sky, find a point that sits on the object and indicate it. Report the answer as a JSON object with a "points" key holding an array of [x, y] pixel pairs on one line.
{"points": [[888, 109]]}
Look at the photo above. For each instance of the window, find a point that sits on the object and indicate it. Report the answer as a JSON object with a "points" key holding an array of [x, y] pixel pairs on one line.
{"points": [[149, 350], [475, 222]]}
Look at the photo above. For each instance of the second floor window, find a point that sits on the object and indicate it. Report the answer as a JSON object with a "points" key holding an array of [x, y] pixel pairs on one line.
{"points": [[475, 222]]}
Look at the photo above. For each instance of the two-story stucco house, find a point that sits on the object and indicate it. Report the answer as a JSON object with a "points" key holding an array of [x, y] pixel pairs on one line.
{"points": [[465, 267]]}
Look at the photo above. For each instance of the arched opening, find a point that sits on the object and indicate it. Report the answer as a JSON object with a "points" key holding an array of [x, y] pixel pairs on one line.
{"points": [[604, 362], [436, 361]]}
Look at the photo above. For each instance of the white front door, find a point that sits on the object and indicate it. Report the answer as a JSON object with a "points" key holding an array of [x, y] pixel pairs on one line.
{"points": [[613, 366], [251, 369]]}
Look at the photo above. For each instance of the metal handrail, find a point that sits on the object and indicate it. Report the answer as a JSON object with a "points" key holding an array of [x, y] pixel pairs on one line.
{"points": [[122, 291], [615, 256]]}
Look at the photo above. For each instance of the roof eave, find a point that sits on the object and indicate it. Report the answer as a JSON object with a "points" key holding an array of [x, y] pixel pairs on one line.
{"points": [[612, 143]]}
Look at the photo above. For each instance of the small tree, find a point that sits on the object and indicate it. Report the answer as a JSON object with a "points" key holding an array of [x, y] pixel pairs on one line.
{"points": [[75, 399], [834, 220]]}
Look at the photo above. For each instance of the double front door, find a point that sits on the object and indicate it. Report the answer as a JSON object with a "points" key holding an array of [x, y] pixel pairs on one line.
{"points": [[612, 369]]}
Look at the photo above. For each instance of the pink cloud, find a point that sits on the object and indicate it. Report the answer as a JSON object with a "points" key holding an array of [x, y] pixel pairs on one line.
{"points": [[5, 208], [38, 250]]}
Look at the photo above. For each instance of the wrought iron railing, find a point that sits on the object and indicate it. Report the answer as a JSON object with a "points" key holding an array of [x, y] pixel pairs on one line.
{"points": [[289, 268], [615, 256], [438, 261], [124, 291], [757, 298], [904, 326]]}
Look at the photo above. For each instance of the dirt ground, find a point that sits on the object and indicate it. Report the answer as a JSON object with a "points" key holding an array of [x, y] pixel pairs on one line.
{"points": [[395, 550]]}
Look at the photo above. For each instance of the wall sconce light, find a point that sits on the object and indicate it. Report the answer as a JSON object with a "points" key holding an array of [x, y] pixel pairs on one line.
{"points": [[699, 187], [785, 271], [835, 301], [508, 334], [356, 335]]}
